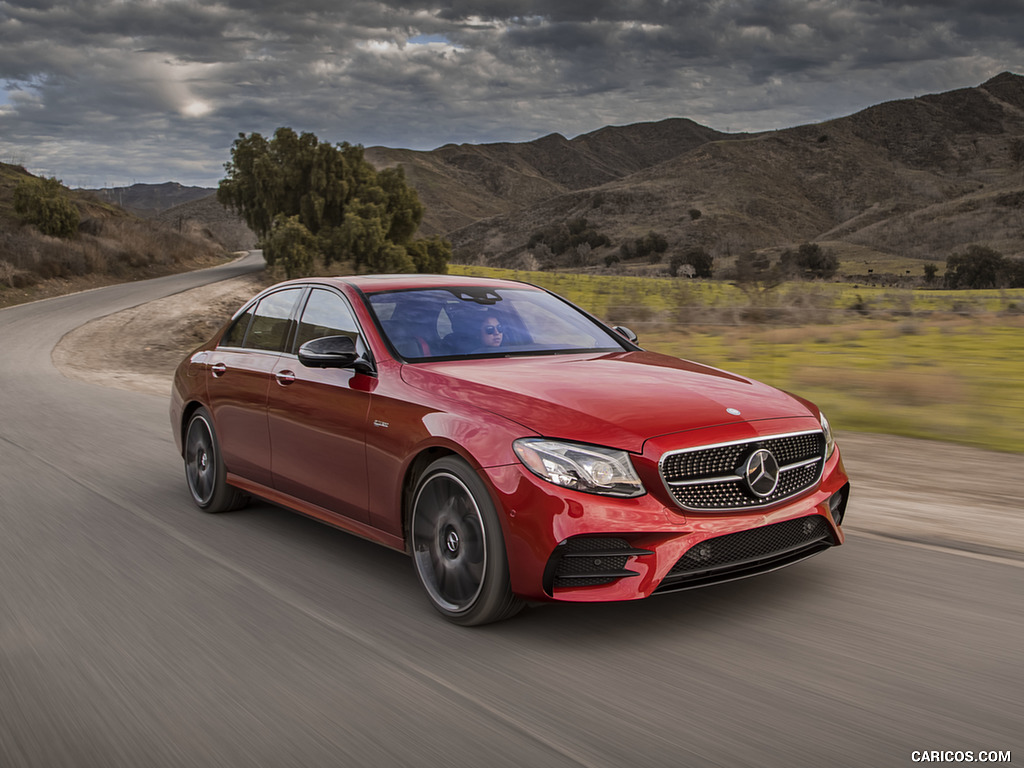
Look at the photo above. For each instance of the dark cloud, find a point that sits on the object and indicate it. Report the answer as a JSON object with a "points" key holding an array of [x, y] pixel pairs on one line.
{"points": [[149, 90]]}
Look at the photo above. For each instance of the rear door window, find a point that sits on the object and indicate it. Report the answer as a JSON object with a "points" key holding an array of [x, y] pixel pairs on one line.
{"points": [[235, 335], [271, 321]]}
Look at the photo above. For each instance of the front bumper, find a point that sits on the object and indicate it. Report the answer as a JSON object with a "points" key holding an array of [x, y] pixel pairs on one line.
{"points": [[570, 546]]}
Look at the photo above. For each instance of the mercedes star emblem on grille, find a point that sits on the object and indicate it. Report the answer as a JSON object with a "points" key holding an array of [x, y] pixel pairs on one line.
{"points": [[761, 473]]}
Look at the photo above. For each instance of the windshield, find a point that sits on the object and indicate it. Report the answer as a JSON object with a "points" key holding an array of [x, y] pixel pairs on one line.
{"points": [[485, 321]]}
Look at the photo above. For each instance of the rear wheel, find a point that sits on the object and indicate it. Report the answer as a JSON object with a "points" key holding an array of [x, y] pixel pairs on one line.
{"points": [[458, 548], [205, 470]]}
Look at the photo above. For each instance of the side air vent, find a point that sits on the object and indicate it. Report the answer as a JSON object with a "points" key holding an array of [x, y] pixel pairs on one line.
{"points": [[588, 561]]}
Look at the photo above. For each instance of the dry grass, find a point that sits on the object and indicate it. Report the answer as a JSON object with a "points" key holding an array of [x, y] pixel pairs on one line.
{"points": [[957, 379], [900, 387], [943, 365], [106, 250]]}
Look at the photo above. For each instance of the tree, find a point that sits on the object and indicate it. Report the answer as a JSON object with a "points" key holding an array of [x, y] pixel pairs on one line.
{"points": [[756, 276], [1015, 273], [678, 265], [430, 255], [810, 260], [567, 236], [652, 242], [44, 204], [930, 270], [979, 267], [702, 262], [352, 211], [291, 245]]}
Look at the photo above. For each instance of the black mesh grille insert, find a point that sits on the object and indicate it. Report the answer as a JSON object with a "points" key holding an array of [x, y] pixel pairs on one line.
{"points": [[712, 478], [587, 561], [745, 553]]}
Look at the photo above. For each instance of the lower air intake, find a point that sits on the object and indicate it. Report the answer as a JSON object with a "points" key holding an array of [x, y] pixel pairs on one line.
{"points": [[746, 553], [589, 561]]}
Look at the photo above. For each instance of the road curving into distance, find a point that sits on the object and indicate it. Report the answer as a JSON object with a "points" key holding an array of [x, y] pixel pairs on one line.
{"points": [[136, 631]]}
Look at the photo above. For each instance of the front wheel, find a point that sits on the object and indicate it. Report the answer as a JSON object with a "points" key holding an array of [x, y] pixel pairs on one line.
{"points": [[205, 470], [458, 548]]}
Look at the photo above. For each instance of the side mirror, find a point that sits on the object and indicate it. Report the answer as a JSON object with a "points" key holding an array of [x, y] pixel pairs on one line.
{"points": [[329, 352], [625, 333]]}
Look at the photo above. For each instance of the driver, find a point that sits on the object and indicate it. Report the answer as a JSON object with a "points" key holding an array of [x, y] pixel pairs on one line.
{"points": [[491, 332]]}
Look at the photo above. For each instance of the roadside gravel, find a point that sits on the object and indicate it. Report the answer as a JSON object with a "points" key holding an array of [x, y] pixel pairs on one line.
{"points": [[915, 490]]}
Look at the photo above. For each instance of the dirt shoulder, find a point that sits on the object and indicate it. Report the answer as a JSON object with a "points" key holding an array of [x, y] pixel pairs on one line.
{"points": [[915, 490], [139, 348]]}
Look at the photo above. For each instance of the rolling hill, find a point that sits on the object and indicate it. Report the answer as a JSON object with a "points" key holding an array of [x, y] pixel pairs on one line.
{"points": [[149, 200], [888, 189], [109, 245], [915, 179], [463, 183]]}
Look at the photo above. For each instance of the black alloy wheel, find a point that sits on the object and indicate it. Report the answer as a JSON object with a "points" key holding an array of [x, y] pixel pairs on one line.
{"points": [[205, 470], [458, 548]]}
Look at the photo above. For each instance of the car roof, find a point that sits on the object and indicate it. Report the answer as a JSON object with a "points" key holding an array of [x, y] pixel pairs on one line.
{"points": [[404, 282]]}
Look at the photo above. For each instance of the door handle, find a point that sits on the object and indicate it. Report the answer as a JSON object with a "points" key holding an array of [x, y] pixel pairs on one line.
{"points": [[284, 378], [218, 369]]}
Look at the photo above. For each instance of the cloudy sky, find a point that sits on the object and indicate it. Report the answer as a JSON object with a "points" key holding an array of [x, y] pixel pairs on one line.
{"points": [[110, 92]]}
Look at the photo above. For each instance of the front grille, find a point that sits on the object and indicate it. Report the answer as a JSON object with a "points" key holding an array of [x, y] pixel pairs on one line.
{"points": [[589, 561], [745, 553], [711, 478]]}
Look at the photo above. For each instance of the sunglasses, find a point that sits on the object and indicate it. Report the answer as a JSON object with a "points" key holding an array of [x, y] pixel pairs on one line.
{"points": [[490, 330]]}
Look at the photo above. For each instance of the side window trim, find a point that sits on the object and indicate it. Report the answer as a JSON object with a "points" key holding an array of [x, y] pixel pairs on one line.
{"points": [[293, 323], [252, 308], [247, 309], [292, 348]]}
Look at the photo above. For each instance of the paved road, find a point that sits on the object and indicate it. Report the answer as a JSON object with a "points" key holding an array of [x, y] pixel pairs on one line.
{"points": [[135, 631]]}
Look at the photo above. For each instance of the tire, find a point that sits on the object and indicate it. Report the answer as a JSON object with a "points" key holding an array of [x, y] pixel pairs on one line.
{"points": [[205, 470], [458, 549]]}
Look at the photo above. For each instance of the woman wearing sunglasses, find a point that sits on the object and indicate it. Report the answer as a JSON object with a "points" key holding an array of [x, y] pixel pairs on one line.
{"points": [[491, 332]]}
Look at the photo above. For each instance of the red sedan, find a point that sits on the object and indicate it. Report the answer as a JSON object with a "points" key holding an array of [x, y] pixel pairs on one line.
{"points": [[516, 447]]}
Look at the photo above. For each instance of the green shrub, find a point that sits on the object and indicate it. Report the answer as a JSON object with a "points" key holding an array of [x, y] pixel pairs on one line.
{"points": [[701, 261], [430, 256], [291, 245], [567, 235], [982, 267], [44, 204], [810, 260]]}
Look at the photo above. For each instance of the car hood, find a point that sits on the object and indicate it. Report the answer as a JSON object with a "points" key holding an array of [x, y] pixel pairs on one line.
{"points": [[618, 400]]}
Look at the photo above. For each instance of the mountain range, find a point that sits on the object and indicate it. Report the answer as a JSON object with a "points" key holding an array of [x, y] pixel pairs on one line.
{"points": [[906, 181]]}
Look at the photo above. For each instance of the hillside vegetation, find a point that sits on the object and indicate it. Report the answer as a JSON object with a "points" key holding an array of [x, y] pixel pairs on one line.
{"points": [[182, 208], [888, 190], [149, 200], [891, 192], [462, 183], [106, 244]]}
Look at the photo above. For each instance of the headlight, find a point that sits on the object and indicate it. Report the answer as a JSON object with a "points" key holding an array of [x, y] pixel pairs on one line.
{"points": [[830, 441], [586, 468]]}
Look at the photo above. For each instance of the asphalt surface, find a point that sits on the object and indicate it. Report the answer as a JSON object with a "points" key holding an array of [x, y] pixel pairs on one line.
{"points": [[137, 631]]}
